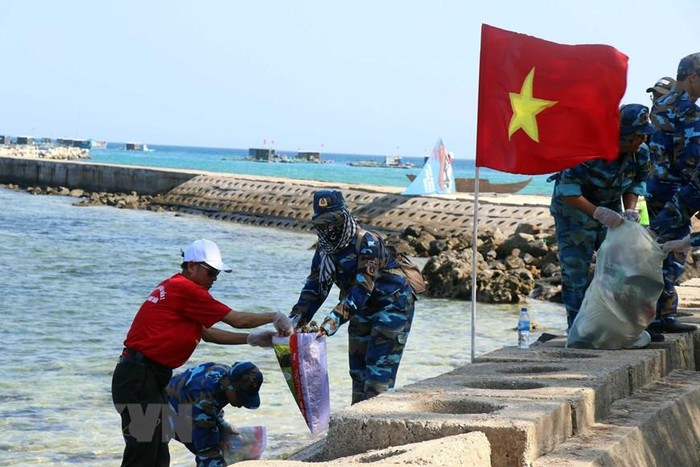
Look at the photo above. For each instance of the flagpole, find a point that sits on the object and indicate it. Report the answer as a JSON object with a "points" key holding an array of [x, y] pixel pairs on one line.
{"points": [[474, 242]]}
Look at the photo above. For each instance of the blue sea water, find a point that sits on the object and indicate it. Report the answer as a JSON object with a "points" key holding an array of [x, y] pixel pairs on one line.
{"points": [[75, 277], [336, 168]]}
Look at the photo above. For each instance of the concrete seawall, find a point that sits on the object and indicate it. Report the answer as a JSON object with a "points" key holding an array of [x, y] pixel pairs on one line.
{"points": [[283, 203], [89, 176]]}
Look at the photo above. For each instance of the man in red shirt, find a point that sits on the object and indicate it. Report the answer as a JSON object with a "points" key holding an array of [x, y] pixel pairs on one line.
{"points": [[164, 334]]}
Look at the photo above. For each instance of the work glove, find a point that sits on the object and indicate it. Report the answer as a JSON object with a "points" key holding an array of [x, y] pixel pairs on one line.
{"points": [[283, 325], [677, 245], [261, 338], [608, 217], [631, 215], [295, 319]]}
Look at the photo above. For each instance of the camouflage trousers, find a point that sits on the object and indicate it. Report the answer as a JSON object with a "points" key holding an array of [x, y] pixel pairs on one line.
{"points": [[675, 261], [377, 337], [578, 238]]}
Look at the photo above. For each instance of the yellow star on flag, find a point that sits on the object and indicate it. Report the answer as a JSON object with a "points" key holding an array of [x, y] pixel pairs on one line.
{"points": [[525, 108]]}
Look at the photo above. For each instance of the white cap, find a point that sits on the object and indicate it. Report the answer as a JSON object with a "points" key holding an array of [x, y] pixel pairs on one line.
{"points": [[205, 251]]}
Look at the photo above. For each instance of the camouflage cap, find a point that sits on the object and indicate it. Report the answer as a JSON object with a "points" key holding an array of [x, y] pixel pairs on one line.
{"points": [[688, 65], [663, 86], [245, 378], [328, 201], [634, 119]]}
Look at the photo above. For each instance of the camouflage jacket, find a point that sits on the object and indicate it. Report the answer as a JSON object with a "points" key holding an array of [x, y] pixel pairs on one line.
{"points": [[358, 276]]}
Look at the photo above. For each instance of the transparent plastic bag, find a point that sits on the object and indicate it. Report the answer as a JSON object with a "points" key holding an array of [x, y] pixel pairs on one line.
{"points": [[248, 443], [621, 300]]}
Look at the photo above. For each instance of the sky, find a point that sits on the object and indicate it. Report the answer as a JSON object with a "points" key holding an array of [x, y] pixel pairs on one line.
{"points": [[361, 77]]}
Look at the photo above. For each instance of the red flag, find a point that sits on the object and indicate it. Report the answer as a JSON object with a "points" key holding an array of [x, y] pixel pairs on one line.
{"points": [[545, 106]]}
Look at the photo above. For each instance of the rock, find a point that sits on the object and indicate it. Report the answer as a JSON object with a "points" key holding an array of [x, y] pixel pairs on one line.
{"points": [[524, 242]]}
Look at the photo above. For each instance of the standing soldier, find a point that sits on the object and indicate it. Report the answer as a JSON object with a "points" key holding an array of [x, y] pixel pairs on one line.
{"points": [[375, 296], [674, 187], [590, 197], [662, 87]]}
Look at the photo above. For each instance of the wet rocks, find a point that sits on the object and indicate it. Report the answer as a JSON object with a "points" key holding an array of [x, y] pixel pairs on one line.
{"points": [[118, 200], [508, 269]]}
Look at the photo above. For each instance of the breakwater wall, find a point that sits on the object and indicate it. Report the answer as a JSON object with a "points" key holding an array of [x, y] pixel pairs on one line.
{"points": [[89, 176], [283, 203]]}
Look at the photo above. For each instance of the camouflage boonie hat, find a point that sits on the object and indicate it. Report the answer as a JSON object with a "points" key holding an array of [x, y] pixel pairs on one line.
{"points": [[634, 119], [246, 379], [688, 65]]}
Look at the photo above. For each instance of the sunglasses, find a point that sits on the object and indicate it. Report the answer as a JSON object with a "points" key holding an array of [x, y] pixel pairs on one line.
{"points": [[211, 272]]}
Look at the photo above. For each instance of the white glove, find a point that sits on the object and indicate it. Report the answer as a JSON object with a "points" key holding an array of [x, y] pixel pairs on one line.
{"points": [[261, 338], [607, 217], [295, 320], [631, 215], [283, 325], [677, 245]]}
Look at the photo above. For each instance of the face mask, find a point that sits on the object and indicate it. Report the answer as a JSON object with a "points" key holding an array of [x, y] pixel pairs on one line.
{"points": [[330, 226]]}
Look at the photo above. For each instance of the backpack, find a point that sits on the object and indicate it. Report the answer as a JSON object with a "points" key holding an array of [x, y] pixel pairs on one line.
{"points": [[410, 271]]}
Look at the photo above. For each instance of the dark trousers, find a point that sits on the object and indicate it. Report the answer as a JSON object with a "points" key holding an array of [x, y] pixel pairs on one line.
{"points": [[138, 393]]}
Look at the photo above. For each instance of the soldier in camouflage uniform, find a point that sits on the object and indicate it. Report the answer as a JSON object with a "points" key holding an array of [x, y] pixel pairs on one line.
{"points": [[674, 186], [588, 199], [662, 87], [374, 296], [205, 390]]}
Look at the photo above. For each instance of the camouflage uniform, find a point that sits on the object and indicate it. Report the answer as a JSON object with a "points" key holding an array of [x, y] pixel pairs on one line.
{"points": [[377, 303], [675, 180], [203, 388], [579, 235]]}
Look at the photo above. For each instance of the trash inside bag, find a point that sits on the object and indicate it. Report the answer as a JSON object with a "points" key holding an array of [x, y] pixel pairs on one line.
{"points": [[621, 300], [302, 358], [248, 443]]}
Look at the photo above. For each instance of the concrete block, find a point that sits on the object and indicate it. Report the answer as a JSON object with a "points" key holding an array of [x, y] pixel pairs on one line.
{"points": [[518, 430], [468, 450], [657, 426], [614, 373]]}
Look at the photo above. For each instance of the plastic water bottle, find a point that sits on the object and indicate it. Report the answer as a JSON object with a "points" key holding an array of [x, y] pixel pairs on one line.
{"points": [[524, 329]]}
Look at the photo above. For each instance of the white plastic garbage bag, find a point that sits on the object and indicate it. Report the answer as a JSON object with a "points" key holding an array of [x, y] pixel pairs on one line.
{"points": [[302, 358], [621, 300]]}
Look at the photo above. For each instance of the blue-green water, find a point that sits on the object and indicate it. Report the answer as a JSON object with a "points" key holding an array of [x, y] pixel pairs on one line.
{"points": [[75, 277], [337, 170]]}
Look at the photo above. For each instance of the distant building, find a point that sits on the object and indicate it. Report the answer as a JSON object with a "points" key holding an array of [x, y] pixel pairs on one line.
{"points": [[309, 156], [5, 140], [66, 142], [262, 155], [136, 147], [25, 140]]}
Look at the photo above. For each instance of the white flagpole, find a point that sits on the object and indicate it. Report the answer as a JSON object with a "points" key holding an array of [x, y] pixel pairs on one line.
{"points": [[474, 240]]}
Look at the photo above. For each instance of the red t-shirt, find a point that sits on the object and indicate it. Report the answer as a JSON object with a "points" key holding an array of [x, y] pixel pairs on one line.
{"points": [[168, 326]]}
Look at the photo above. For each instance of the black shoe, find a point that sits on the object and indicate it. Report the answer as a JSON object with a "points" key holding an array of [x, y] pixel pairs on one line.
{"points": [[656, 336], [670, 324]]}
